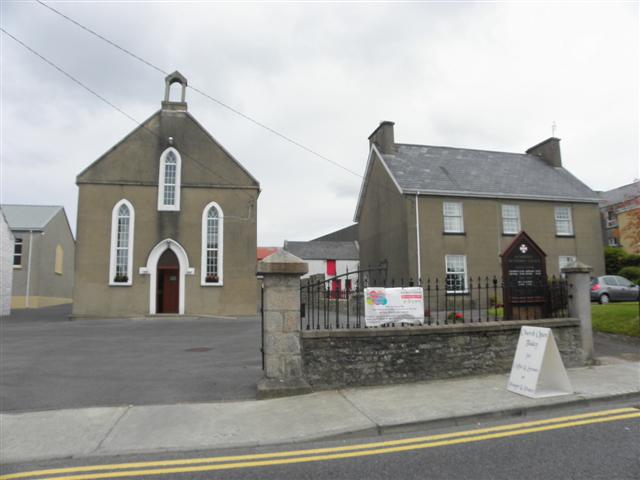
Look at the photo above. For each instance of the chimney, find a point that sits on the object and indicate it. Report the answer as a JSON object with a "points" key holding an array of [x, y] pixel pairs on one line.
{"points": [[383, 139], [549, 151]]}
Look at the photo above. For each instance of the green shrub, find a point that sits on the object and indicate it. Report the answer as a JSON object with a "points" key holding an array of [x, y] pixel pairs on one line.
{"points": [[631, 260], [631, 273], [614, 258]]}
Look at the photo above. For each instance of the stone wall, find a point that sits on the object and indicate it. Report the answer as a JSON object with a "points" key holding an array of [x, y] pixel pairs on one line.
{"points": [[345, 358]]}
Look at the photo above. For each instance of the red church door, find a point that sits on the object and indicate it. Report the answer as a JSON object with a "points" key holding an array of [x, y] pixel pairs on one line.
{"points": [[168, 288]]}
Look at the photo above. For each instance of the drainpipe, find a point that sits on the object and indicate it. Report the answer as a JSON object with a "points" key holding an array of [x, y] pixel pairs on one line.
{"points": [[418, 239], [26, 302]]}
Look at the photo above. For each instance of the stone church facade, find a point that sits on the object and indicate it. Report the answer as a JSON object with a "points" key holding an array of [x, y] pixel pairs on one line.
{"points": [[166, 223]]}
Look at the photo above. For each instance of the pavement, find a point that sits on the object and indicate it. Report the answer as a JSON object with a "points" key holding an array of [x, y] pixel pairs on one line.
{"points": [[107, 431]]}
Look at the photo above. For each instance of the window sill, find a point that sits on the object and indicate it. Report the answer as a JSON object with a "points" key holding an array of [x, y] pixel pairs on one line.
{"points": [[454, 233], [565, 236], [58, 273], [17, 267], [168, 208], [120, 284], [457, 293], [504, 234], [208, 284]]}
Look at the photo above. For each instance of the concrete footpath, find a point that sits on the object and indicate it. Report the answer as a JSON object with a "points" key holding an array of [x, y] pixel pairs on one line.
{"points": [[144, 429]]}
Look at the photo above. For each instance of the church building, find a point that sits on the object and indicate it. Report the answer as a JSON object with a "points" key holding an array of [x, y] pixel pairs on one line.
{"points": [[166, 223]]}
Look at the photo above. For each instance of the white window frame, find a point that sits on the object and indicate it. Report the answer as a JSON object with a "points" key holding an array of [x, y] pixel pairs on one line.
{"points": [[114, 244], [515, 217], [18, 241], [446, 215], [203, 248], [161, 185], [559, 233], [464, 273]]}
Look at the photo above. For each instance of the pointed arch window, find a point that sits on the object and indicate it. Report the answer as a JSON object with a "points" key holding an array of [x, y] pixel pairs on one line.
{"points": [[169, 180], [122, 225], [212, 245]]}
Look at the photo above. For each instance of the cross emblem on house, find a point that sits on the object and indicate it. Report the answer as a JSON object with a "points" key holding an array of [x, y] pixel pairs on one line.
{"points": [[524, 248]]}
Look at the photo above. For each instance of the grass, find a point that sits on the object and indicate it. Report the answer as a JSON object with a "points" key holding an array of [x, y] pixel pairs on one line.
{"points": [[620, 318]]}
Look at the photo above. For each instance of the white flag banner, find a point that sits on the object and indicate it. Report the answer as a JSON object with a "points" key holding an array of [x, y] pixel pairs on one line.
{"points": [[537, 369], [393, 305]]}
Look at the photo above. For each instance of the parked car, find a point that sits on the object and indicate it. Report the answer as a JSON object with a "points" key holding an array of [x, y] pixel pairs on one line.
{"points": [[613, 288]]}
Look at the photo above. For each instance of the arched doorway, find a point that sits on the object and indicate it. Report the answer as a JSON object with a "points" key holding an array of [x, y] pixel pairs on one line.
{"points": [[177, 256], [168, 286]]}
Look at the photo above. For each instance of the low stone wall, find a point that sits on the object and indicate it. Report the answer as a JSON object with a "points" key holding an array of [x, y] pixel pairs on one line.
{"points": [[345, 358]]}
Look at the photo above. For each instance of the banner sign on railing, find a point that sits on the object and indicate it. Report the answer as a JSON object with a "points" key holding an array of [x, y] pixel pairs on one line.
{"points": [[393, 305]]}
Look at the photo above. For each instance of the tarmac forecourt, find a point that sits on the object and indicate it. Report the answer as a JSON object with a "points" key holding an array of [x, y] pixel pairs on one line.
{"points": [[164, 467]]}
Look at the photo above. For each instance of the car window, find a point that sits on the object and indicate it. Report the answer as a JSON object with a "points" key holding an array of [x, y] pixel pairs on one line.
{"points": [[594, 281], [624, 282], [610, 281]]}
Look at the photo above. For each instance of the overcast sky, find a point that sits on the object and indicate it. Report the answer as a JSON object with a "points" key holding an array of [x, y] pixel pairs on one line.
{"points": [[479, 75]]}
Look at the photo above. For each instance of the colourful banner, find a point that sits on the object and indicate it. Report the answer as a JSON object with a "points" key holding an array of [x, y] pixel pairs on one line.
{"points": [[393, 305]]}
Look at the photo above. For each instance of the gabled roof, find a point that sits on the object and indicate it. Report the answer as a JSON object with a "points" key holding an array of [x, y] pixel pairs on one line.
{"points": [[621, 194], [349, 233], [459, 171], [29, 217], [323, 250]]}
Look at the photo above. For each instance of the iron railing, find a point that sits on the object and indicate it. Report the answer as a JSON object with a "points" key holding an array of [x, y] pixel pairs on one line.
{"points": [[335, 303]]}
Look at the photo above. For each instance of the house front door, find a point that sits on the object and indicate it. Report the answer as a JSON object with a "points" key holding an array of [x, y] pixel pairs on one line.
{"points": [[168, 291]]}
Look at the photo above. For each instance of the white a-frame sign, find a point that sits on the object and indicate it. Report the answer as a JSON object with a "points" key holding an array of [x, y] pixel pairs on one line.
{"points": [[537, 369]]}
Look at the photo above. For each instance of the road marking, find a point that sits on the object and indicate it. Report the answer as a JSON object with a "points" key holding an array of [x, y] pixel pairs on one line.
{"points": [[333, 453]]}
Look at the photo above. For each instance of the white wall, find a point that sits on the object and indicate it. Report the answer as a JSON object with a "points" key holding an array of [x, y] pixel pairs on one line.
{"points": [[320, 266], [6, 266]]}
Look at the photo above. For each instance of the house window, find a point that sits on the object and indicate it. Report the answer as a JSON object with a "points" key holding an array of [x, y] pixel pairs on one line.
{"points": [[564, 260], [122, 225], [212, 240], [59, 260], [613, 242], [453, 217], [564, 225], [17, 253], [510, 219], [169, 181], [456, 273]]}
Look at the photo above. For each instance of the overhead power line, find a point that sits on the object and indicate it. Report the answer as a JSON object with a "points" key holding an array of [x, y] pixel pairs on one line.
{"points": [[112, 105], [203, 93]]}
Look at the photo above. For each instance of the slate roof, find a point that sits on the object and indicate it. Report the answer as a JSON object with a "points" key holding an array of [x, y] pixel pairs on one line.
{"points": [[29, 217], [480, 173], [620, 194], [323, 250]]}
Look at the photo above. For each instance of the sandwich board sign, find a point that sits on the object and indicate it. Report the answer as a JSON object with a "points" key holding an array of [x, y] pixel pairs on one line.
{"points": [[537, 369], [393, 305]]}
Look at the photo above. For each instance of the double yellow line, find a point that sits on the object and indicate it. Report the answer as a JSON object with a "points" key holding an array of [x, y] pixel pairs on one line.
{"points": [[164, 467]]}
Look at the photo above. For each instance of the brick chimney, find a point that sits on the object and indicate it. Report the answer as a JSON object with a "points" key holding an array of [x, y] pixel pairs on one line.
{"points": [[549, 151], [383, 138]]}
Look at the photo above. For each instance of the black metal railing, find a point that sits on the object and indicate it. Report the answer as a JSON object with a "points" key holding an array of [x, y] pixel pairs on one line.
{"points": [[338, 302]]}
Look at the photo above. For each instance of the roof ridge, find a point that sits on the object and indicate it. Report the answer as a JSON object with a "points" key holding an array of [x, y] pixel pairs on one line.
{"points": [[464, 148]]}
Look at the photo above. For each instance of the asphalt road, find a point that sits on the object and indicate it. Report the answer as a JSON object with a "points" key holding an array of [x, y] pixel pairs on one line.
{"points": [[551, 446], [50, 362]]}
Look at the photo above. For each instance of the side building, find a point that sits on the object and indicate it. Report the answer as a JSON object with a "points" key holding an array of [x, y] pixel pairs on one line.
{"points": [[166, 223], [43, 255], [620, 210], [430, 211], [6, 265]]}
